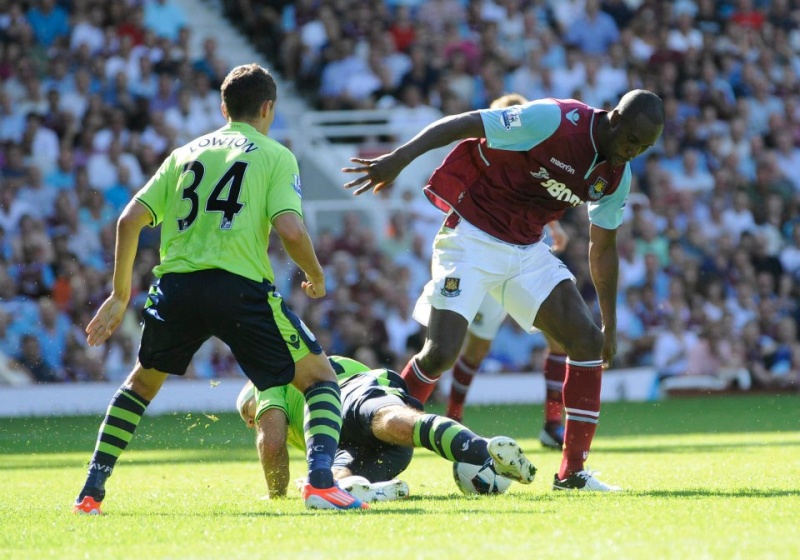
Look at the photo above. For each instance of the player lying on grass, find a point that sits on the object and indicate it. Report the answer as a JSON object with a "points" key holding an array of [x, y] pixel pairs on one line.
{"points": [[381, 425]]}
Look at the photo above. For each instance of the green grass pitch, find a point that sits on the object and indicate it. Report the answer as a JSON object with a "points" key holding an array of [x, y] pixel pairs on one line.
{"points": [[705, 478]]}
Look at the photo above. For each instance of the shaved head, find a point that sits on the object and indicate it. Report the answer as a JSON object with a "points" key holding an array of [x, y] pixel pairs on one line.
{"points": [[640, 102], [634, 126]]}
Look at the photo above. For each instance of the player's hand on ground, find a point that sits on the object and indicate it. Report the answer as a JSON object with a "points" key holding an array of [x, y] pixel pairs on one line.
{"points": [[375, 173], [106, 320], [314, 287]]}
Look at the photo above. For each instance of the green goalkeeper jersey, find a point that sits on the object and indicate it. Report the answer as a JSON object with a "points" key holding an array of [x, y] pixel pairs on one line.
{"points": [[216, 198], [292, 402]]}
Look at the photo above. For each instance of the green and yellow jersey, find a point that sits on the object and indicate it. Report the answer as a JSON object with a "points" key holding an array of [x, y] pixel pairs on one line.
{"points": [[292, 402], [216, 198]]}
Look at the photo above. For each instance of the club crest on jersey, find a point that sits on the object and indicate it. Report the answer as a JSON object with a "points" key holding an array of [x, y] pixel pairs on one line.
{"points": [[451, 287], [296, 185], [596, 190], [511, 118]]}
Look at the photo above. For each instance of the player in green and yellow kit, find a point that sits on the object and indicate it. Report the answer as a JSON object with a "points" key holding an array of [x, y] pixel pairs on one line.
{"points": [[382, 424], [217, 199]]}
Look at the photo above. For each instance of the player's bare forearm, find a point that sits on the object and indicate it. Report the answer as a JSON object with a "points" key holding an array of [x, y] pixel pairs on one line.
{"points": [[134, 217], [276, 474], [298, 245], [109, 316], [272, 451], [441, 133], [381, 171], [604, 267]]}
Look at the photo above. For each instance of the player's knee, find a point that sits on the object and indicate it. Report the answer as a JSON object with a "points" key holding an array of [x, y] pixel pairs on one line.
{"points": [[395, 424], [476, 350], [437, 358], [311, 370], [145, 382], [586, 345]]}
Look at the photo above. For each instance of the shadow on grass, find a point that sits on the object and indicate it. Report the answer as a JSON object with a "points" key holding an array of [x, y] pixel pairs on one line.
{"points": [[213, 457], [685, 493], [374, 510], [716, 414], [700, 447], [700, 493]]}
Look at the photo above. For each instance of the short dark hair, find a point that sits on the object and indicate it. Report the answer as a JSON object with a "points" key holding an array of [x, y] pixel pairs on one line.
{"points": [[642, 102], [245, 89]]}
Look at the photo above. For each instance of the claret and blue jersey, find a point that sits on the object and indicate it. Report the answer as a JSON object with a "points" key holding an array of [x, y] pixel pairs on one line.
{"points": [[537, 160]]}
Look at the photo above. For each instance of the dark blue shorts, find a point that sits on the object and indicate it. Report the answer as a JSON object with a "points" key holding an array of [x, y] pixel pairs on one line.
{"points": [[359, 450], [183, 310]]}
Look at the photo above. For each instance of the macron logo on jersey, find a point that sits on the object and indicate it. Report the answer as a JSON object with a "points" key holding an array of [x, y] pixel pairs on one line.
{"points": [[573, 117], [566, 167]]}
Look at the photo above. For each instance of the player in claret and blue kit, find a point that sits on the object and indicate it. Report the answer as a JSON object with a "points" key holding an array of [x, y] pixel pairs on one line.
{"points": [[515, 170]]}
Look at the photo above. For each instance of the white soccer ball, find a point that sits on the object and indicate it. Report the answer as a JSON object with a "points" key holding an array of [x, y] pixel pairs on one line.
{"points": [[477, 479]]}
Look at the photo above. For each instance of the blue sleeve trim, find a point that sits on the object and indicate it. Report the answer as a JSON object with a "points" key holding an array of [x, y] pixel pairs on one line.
{"points": [[607, 212], [521, 127]]}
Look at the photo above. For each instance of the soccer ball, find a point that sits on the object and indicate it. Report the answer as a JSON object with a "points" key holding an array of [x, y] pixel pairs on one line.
{"points": [[477, 479]]}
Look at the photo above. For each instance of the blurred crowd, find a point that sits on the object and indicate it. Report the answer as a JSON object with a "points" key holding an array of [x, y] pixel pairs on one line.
{"points": [[710, 249], [95, 93]]}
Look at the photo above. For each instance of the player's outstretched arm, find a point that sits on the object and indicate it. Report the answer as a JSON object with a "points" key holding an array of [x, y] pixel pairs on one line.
{"points": [[296, 241], [381, 171], [604, 268], [108, 317], [271, 442]]}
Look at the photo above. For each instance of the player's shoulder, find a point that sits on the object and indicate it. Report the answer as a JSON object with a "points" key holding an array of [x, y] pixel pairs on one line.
{"points": [[541, 114], [573, 112]]}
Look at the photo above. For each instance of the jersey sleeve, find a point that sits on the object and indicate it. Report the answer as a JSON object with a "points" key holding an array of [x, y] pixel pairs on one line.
{"points": [[521, 127], [153, 195], [284, 193], [607, 212], [274, 397]]}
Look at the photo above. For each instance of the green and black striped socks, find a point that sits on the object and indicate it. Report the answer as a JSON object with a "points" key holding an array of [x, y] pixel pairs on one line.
{"points": [[123, 415], [450, 440], [323, 424]]}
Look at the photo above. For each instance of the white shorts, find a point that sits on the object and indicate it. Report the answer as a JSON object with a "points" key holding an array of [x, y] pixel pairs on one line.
{"points": [[488, 319], [468, 265]]}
